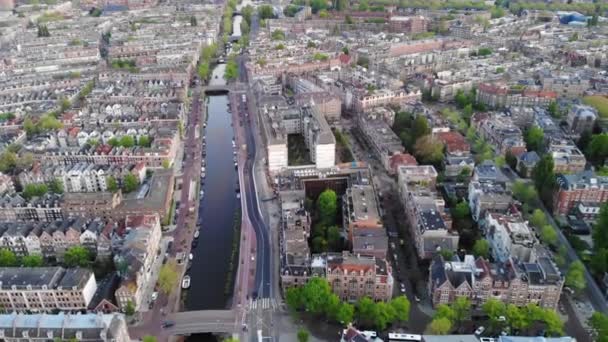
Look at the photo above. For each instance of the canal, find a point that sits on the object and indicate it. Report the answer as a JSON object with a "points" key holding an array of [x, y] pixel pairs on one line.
{"points": [[211, 261]]}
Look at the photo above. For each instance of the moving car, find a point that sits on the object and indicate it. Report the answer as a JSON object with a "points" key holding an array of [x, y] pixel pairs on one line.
{"points": [[186, 282]]}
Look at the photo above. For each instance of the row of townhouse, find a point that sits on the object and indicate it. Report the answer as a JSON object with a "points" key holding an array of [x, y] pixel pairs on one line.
{"points": [[52, 239], [152, 197], [429, 220], [512, 282], [164, 151], [498, 96], [81, 177]]}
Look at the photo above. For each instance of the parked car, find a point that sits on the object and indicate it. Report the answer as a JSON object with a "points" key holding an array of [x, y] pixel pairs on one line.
{"points": [[479, 331]]}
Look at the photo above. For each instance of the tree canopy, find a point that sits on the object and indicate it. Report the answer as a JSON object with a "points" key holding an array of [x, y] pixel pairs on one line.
{"points": [[481, 248], [77, 256], [428, 150]]}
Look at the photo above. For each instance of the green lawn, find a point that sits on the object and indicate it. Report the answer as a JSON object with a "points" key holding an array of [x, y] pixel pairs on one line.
{"points": [[598, 102]]}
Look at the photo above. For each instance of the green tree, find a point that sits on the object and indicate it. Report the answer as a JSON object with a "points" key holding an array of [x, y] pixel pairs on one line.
{"points": [[144, 141], [232, 70], [34, 190], [113, 141], [481, 248], [575, 278], [599, 323], [428, 150], [29, 127], [77, 256], [544, 179], [548, 235], [534, 138], [193, 21], [127, 141], [277, 35], [303, 335], [420, 127], [8, 161], [320, 244], [166, 164], [129, 183], [553, 109], [597, 151], [599, 262], [130, 308], [366, 311], [33, 260], [497, 12], [494, 308], [315, 295], [334, 239], [401, 305], [327, 206], [440, 326], [385, 315], [293, 298], [49, 123], [111, 184], [363, 5], [149, 338], [462, 309], [445, 311], [318, 5], [265, 12], [43, 31], [341, 5], [554, 326], [600, 229], [7, 258], [515, 317], [461, 211], [345, 313], [538, 218], [168, 277], [56, 186], [524, 192]]}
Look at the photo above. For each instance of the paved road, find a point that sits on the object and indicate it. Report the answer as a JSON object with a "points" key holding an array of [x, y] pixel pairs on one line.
{"points": [[182, 235], [263, 271], [214, 321]]}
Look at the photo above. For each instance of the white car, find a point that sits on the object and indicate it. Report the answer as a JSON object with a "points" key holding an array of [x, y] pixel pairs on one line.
{"points": [[154, 296], [479, 331], [402, 288]]}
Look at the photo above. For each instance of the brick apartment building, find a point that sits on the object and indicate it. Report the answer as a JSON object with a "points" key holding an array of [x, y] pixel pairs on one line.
{"points": [[46, 289], [517, 283], [582, 187]]}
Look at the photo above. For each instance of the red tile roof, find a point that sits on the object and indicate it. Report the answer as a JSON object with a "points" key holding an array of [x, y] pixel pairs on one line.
{"points": [[454, 141]]}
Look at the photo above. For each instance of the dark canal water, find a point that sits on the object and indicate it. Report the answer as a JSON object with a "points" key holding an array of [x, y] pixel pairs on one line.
{"points": [[216, 214]]}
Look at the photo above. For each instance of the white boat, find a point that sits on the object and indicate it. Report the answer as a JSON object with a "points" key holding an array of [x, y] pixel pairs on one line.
{"points": [[190, 256], [203, 175], [186, 282], [203, 169], [196, 234], [238, 195], [202, 194]]}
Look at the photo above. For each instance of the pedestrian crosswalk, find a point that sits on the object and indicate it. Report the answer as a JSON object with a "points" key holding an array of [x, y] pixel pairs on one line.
{"points": [[263, 304]]}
